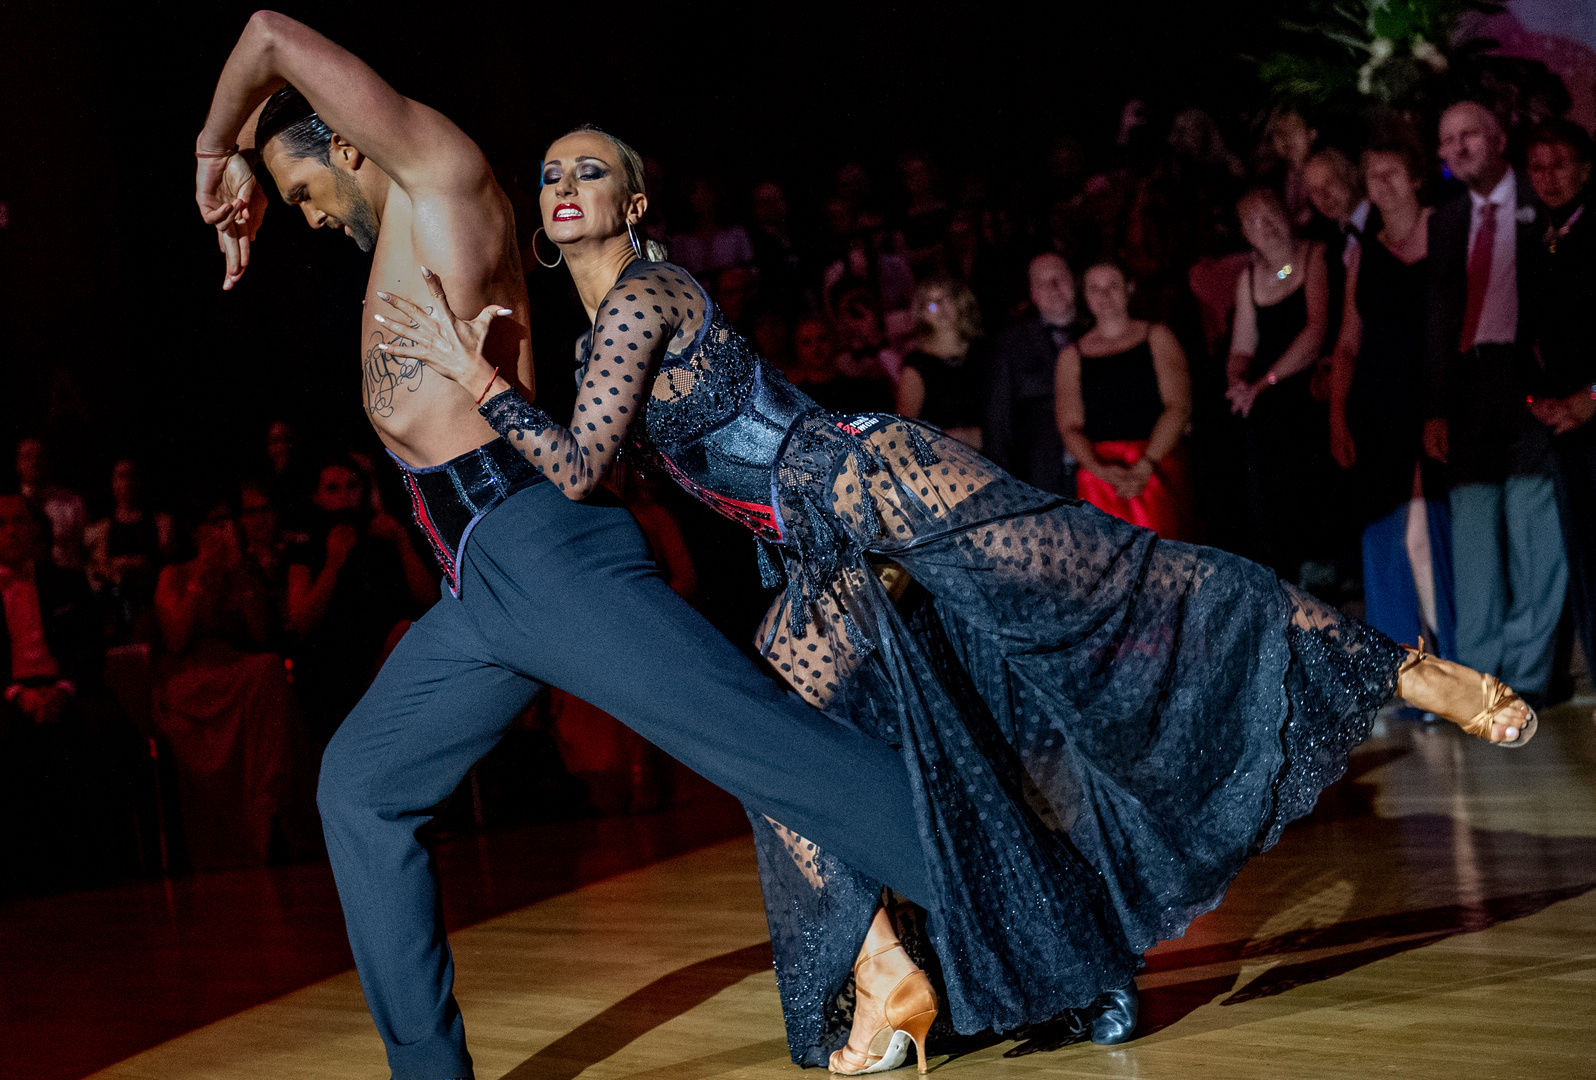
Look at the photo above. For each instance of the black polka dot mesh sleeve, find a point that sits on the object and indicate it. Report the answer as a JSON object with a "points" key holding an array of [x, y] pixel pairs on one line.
{"points": [[637, 324]]}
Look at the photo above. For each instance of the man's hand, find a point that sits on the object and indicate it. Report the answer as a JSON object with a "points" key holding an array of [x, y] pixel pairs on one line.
{"points": [[1436, 442], [1576, 410], [233, 203]]}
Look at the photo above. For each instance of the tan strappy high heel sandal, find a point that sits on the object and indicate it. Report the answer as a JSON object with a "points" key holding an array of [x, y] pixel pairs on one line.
{"points": [[1472, 700], [910, 1007]]}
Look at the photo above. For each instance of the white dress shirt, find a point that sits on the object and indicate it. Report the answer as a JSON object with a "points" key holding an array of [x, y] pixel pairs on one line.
{"points": [[1499, 316], [1359, 220]]}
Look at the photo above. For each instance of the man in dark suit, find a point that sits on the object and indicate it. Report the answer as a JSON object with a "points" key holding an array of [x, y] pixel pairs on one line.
{"points": [[1021, 428], [67, 756], [1507, 547]]}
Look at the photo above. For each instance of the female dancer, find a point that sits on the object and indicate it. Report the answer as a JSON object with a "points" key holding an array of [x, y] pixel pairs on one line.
{"points": [[1100, 727]]}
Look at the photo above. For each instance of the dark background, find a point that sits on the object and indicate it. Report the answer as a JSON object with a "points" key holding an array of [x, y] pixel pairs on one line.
{"points": [[115, 336]]}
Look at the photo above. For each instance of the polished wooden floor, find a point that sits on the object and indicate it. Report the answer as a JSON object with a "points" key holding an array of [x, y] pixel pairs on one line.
{"points": [[1435, 917]]}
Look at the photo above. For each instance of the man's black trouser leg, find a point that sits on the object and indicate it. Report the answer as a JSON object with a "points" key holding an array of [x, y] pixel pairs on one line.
{"points": [[564, 594]]}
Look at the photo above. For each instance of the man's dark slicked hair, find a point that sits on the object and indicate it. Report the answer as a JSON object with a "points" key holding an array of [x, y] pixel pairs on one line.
{"points": [[1563, 133], [289, 117]]}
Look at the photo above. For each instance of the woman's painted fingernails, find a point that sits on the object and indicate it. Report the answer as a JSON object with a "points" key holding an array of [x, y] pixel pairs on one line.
{"points": [[382, 346], [383, 296], [425, 272], [505, 311], [379, 318]]}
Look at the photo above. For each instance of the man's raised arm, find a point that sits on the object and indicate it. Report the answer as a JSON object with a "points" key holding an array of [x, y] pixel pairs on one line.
{"points": [[416, 145]]}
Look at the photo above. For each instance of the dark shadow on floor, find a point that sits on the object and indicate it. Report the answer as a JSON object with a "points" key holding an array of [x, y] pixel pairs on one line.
{"points": [[635, 1015]]}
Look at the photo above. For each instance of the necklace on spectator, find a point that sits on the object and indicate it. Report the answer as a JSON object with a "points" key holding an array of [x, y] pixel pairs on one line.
{"points": [[1554, 233], [1283, 273]]}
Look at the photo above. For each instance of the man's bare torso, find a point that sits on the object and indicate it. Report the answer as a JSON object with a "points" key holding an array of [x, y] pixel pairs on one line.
{"points": [[469, 242]]}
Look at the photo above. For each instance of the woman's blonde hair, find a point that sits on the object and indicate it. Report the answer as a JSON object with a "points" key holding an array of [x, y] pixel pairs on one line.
{"points": [[966, 309], [633, 174]]}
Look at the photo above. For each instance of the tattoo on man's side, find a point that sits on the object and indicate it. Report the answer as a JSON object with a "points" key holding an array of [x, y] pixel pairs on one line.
{"points": [[383, 375]]}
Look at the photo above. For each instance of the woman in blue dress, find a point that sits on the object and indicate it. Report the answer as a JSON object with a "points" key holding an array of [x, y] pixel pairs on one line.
{"points": [[1101, 727]]}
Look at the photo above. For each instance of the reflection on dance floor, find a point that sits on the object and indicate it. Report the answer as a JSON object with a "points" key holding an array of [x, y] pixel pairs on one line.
{"points": [[1433, 917]]}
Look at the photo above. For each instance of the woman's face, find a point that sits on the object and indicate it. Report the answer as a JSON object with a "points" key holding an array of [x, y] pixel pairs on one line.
{"points": [[1265, 226], [216, 536], [584, 194], [937, 310], [1386, 178], [1107, 295]]}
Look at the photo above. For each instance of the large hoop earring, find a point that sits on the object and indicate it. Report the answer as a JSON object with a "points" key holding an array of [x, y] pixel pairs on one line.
{"points": [[558, 259], [637, 247]]}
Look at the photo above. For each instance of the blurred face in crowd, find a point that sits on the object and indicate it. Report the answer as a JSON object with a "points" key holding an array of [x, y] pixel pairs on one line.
{"points": [[1330, 189], [16, 532], [1473, 145], [1291, 138], [216, 535], [339, 490], [256, 517], [918, 180], [936, 311], [1556, 174], [280, 445], [1107, 294], [858, 325], [584, 195], [30, 461], [1053, 289], [1264, 224], [813, 349], [1391, 187], [125, 483], [770, 205]]}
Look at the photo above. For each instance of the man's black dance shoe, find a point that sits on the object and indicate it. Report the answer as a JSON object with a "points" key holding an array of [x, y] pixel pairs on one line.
{"points": [[1116, 1023]]}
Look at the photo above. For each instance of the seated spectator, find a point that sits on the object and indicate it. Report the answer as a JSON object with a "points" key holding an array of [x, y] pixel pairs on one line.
{"points": [[66, 510], [222, 701], [265, 551], [289, 482], [125, 553], [944, 377], [1021, 421], [1279, 330], [1561, 287], [1376, 413], [814, 371], [348, 590], [783, 274], [1124, 398], [712, 245], [861, 334], [68, 757]]}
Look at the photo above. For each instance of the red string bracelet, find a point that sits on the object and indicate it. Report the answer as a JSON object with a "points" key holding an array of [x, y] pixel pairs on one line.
{"points": [[216, 153], [488, 387]]}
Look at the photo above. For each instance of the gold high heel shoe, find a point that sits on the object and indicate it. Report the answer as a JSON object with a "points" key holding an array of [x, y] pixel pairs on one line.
{"points": [[910, 1007], [1472, 700]]}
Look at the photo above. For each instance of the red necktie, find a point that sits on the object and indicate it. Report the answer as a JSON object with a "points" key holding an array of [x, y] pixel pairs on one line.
{"points": [[1479, 275]]}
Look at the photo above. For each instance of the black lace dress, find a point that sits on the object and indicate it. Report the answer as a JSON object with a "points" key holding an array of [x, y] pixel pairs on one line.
{"points": [[1100, 727]]}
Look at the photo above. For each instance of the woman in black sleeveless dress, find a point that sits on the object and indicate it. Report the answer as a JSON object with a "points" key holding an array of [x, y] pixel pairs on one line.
{"points": [[944, 378], [1123, 412], [1280, 325], [1100, 727], [1376, 419]]}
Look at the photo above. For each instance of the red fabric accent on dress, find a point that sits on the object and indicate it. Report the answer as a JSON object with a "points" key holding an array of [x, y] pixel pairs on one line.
{"points": [[1479, 276], [1165, 504], [758, 517]]}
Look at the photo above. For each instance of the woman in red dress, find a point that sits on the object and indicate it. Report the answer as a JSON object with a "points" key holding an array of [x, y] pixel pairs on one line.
{"points": [[1123, 400]]}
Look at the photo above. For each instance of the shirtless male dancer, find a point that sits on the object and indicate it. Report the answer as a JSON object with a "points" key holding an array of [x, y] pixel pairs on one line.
{"points": [[547, 592]]}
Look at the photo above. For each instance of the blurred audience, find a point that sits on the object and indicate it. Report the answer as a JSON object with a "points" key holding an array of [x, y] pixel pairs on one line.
{"points": [[944, 377], [1507, 545], [69, 759], [1279, 328], [222, 700], [350, 592], [1376, 419], [1021, 431], [125, 552], [1124, 399], [1560, 290], [65, 508]]}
